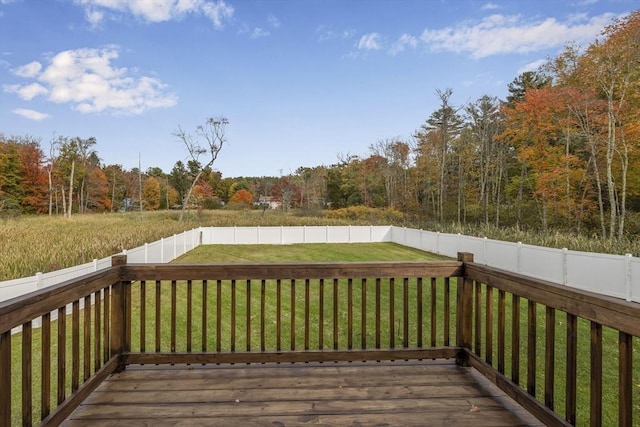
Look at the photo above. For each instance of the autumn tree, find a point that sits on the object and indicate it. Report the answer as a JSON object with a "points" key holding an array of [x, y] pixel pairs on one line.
{"points": [[98, 197], [23, 179], [241, 199], [394, 170], [212, 133], [440, 131], [11, 191], [286, 192], [75, 160], [151, 194], [523, 82], [117, 178], [613, 66]]}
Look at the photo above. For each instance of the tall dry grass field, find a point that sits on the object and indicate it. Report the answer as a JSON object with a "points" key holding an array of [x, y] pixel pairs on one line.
{"points": [[34, 244]]}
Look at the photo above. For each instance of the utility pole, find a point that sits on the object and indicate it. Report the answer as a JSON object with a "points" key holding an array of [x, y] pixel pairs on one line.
{"points": [[140, 180]]}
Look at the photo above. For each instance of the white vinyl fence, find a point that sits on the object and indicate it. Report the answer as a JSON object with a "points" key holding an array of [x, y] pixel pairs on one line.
{"points": [[612, 275]]}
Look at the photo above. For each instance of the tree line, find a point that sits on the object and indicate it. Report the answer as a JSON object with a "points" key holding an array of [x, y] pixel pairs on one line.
{"points": [[562, 150]]}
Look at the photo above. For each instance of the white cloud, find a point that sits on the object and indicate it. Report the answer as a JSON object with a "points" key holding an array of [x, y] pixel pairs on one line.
{"points": [[259, 32], [29, 70], [88, 80], [499, 34], [327, 33], [273, 21], [94, 17], [26, 92], [217, 12], [403, 42], [156, 10], [369, 41], [532, 66], [489, 6], [31, 114]]}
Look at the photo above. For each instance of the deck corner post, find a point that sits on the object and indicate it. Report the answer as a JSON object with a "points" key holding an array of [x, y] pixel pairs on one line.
{"points": [[118, 260], [118, 312], [464, 312]]}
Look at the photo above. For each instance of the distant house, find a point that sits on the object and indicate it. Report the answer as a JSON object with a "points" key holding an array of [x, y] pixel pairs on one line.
{"points": [[268, 202]]}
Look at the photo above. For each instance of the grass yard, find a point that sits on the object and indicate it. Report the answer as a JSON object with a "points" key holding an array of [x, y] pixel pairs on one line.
{"points": [[313, 252]]}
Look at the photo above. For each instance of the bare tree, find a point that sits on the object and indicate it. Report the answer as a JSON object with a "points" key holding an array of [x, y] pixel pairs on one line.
{"points": [[53, 146], [212, 133]]}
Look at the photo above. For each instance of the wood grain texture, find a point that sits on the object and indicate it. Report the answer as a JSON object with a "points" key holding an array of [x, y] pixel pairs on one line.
{"points": [[371, 393]]}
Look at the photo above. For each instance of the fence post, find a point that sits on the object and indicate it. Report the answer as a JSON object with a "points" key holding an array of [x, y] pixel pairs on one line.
{"points": [[162, 249], [485, 250], [175, 247], [38, 280], [565, 273], [464, 312], [118, 313], [628, 288]]}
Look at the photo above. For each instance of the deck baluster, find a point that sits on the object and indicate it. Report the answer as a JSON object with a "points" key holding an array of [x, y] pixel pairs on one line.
{"points": [[531, 347], [45, 365], [596, 375], [27, 390], [434, 311], [549, 357]]}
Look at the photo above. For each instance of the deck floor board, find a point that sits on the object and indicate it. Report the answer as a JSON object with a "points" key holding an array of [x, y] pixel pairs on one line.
{"points": [[403, 393]]}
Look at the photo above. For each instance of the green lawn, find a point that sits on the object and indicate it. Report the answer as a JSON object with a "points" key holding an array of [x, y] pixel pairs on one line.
{"points": [[314, 252]]}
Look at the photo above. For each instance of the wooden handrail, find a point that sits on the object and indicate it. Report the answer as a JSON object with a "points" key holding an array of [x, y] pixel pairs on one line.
{"points": [[372, 310]]}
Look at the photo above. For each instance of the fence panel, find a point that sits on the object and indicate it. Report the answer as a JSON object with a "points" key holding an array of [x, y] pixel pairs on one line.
{"points": [[591, 271], [154, 252], [293, 235], [448, 244], [222, 235], [502, 255], [476, 245], [429, 241], [411, 237], [319, 234], [16, 287], [136, 255], [270, 235], [541, 263]]}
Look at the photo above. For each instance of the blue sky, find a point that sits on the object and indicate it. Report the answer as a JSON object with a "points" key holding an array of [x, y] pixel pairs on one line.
{"points": [[302, 82]]}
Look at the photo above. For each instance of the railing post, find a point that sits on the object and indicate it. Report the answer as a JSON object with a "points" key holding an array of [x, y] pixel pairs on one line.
{"points": [[118, 313], [464, 312], [5, 378]]}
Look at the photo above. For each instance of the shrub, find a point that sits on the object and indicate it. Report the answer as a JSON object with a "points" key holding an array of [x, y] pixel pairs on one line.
{"points": [[372, 215]]}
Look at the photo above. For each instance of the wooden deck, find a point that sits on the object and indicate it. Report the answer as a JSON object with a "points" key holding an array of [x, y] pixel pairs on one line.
{"points": [[424, 393]]}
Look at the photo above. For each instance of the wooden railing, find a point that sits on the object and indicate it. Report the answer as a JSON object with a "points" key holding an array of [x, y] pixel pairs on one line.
{"points": [[546, 345], [259, 313]]}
